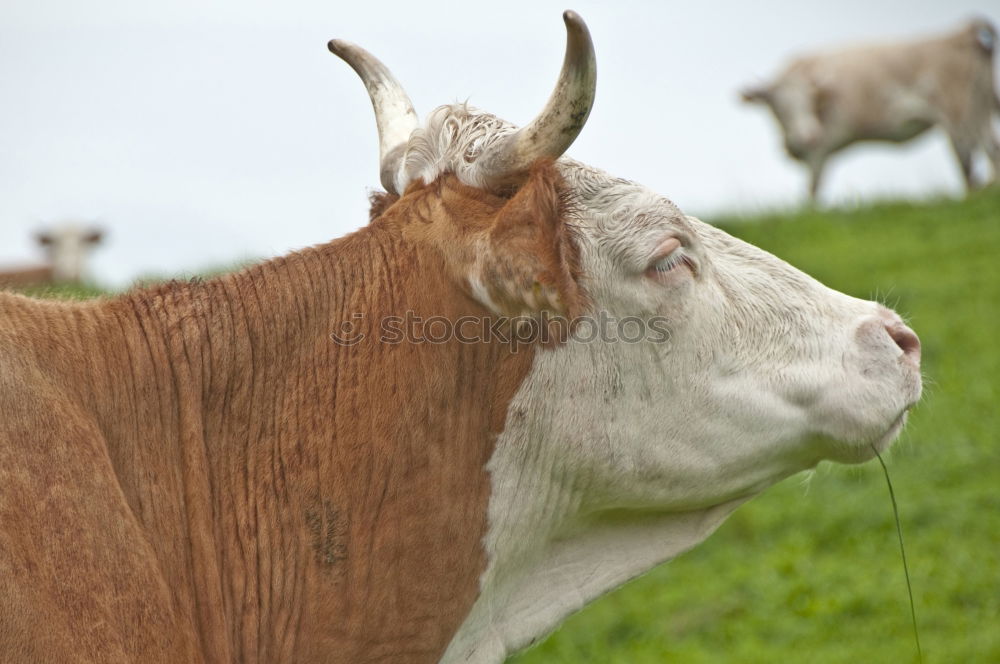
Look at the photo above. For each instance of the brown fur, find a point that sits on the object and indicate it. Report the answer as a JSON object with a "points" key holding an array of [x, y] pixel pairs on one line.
{"points": [[196, 472], [519, 247], [380, 201]]}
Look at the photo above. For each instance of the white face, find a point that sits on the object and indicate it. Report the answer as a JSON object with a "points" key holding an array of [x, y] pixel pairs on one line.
{"points": [[765, 371], [793, 103], [67, 248]]}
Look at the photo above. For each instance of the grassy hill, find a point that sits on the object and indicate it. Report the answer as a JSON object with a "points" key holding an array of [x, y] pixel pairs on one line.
{"points": [[810, 571]]}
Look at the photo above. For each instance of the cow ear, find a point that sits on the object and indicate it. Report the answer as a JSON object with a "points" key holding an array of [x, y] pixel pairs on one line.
{"points": [[44, 239], [529, 265], [986, 36], [94, 236]]}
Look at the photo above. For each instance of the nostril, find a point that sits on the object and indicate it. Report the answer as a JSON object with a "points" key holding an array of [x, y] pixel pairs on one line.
{"points": [[905, 338]]}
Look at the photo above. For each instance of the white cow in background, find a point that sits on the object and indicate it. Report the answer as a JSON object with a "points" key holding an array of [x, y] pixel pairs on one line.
{"points": [[66, 249], [827, 101]]}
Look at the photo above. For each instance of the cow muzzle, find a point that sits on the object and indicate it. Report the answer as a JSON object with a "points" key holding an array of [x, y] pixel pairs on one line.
{"points": [[904, 338], [893, 348]]}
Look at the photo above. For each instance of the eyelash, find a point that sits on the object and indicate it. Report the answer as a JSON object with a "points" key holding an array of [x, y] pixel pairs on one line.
{"points": [[666, 265], [669, 262]]}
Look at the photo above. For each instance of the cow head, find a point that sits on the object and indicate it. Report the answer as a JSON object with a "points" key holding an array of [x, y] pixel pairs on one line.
{"points": [[748, 370], [66, 248], [798, 106]]}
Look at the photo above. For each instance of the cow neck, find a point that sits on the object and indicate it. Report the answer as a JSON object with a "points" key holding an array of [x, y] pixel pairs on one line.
{"points": [[304, 496]]}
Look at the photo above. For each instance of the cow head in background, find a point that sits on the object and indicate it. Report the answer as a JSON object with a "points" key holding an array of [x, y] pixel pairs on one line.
{"points": [[618, 455], [797, 107], [66, 247]]}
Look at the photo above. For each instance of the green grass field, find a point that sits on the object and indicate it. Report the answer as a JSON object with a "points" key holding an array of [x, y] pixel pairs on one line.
{"points": [[810, 571]]}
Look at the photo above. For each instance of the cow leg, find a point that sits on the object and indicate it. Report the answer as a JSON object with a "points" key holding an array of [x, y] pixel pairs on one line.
{"points": [[991, 145], [816, 167], [963, 152]]}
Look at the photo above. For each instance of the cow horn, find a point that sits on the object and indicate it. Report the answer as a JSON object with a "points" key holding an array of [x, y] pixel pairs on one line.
{"points": [[394, 112], [557, 126]]}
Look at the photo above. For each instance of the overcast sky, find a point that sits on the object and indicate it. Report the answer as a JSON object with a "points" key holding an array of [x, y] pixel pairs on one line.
{"points": [[199, 133]]}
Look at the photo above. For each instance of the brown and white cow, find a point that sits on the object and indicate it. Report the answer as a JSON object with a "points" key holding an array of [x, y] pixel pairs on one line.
{"points": [[66, 247], [889, 92], [248, 469]]}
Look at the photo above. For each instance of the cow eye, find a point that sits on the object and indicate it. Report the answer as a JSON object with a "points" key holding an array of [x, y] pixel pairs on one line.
{"points": [[670, 256], [668, 263]]}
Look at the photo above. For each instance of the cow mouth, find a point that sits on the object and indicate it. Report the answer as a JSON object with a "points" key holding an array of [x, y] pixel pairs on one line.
{"points": [[915, 388], [883, 443], [862, 451]]}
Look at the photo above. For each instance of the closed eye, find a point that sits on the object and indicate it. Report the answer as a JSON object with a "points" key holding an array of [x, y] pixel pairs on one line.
{"points": [[668, 263], [670, 256]]}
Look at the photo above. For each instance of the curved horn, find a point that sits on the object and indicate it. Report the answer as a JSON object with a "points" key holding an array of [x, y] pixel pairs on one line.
{"points": [[557, 126], [394, 112]]}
